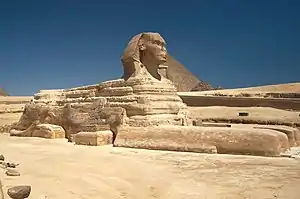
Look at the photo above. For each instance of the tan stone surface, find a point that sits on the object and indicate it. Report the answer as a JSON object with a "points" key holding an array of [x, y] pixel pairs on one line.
{"points": [[142, 91], [279, 103], [97, 138], [292, 133], [227, 140], [91, 118], [49, 131], [262, 115], [258, 91], [15, 99], [57, 169], [9, 118], [146, 99], [11, 108]]}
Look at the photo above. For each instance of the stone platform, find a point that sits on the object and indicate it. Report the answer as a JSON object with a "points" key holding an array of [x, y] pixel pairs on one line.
{"points": [[204, 139]]}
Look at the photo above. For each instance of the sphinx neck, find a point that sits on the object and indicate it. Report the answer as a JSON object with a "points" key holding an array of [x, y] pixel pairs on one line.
{"points": [[152, 69]]}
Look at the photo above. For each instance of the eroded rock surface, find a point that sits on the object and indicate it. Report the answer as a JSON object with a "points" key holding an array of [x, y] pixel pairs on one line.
{"points": [[142, 110], [19, 192], [196, 139], [97, 138], [12, 172]]}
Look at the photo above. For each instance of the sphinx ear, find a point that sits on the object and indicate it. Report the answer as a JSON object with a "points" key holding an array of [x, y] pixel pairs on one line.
{"points": [[142, 47]]}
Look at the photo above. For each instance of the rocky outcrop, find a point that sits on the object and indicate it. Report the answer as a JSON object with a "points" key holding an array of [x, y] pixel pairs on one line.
{"points": [[19, 192], [97, 138], [201, 86], [74, 118], [245, 141]]}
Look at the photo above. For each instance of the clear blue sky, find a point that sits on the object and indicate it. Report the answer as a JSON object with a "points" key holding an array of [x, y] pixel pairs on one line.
{"points": [[66, 43]]}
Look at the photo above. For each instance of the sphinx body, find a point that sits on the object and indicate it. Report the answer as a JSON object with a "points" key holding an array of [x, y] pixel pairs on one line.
{"points": [[147, 101], [149, 98]]}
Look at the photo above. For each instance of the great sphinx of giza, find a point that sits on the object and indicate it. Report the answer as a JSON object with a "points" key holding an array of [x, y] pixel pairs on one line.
{"points": [[148, 97], [141, 110]]}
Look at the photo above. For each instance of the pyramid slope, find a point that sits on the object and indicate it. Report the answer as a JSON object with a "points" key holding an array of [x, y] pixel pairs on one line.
{"points": [[183, 79], [3, 92]]}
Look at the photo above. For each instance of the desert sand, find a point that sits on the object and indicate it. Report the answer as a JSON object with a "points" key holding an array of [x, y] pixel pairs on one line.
{"points": [[256, 114], [257, 90], [57, 169]]}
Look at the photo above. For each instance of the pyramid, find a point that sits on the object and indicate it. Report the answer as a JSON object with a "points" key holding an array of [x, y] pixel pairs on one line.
{"points": [[2, 92], [183, 79]]}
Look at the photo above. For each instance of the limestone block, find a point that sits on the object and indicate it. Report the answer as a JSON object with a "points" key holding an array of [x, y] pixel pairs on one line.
{"points": [[87, 87], [156, 120], [291, 133], [197, 122], [149, 88], [80, 100], [111, 83], [88, 118], [49, 131], [94, 138], [246, 141], [80, 93], [116, 91]]}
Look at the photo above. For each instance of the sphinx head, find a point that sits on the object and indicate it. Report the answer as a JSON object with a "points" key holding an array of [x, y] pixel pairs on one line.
{"points": [[146, 50]]}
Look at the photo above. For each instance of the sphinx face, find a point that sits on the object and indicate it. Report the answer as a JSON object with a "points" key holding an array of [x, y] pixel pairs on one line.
{"points": [[155, 51]]}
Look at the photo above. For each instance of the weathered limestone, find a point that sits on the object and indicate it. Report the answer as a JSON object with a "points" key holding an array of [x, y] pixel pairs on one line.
{"points": [[148, 97], [71, 118], [197, 139], [12, 172], [92, 118], [11, 108], [97, 138], [157, 118], [141, 110], [19, 192], [49, 131], [292, 133]]}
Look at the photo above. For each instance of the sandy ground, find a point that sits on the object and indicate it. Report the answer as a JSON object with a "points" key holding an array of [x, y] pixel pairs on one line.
{"points": [[9, 118], [255, 113], [278, 88], [15, 99], [57, 169]]}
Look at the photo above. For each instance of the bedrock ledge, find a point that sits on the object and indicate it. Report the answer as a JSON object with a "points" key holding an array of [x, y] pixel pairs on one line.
{"points": [[260, 142]]}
